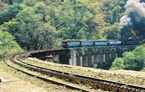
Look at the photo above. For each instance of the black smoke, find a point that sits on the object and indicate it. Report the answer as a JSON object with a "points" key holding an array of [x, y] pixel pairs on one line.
{"points": [[142, 0], [134, 19]]}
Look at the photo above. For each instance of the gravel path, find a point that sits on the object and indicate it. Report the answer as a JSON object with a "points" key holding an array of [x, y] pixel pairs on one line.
{"points": [[13, 84]]}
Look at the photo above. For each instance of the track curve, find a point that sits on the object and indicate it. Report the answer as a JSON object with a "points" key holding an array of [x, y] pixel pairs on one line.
{"points": [[75, 78]]}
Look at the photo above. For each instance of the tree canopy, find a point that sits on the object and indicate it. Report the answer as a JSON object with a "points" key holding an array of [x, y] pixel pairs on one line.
{"points": [[7, 44], [37, 22], [43, 24], [133, 60]]}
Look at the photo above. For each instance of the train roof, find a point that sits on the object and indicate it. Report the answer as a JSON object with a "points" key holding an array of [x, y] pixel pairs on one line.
{"points": [[114, 40], [84, 41], [101, 41], [71, 41], [78, 40]]}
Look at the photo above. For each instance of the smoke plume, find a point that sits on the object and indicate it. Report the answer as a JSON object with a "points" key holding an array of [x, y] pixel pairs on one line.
{"points": [[134, 17]]}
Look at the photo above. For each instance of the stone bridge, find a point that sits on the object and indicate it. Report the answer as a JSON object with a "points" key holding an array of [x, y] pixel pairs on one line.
{"points": [[103, 56], [88, 57]]}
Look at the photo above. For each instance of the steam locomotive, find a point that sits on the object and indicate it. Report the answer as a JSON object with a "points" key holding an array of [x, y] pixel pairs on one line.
{"points": [[87, 43]]}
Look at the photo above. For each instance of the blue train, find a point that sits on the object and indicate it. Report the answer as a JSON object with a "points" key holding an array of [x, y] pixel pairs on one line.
{"points": [[87, 43]]}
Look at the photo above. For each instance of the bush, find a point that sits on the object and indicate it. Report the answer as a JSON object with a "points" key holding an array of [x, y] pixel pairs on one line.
{"points": [[95, 65], [143, 70], [134, 60], [117, 64], [131, 60], [7, 44]]}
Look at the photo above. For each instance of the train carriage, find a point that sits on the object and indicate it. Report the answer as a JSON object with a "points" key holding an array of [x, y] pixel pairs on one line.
{"points": [[114, 42], [101, 43], [88, 43], [85, 43], [70, 43]]}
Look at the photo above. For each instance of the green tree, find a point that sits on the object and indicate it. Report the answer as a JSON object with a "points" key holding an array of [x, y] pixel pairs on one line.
{"points": [[117, 64], [11, 27], [133, 60], [73, 18], [9, 13], [112, 32], [33, 34], [3, 6], [129, 59], [8, 1], [113, 10], [30, 2], [56, 20], [115, 14], [32, 38], [7, 44]]}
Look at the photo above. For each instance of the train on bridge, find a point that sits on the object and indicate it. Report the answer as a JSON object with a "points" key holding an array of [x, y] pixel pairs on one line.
{"points": [[88, 43]]}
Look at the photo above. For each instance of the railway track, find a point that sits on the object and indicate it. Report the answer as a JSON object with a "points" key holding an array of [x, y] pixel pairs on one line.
{"points": [[75, 78], [70, 86]]}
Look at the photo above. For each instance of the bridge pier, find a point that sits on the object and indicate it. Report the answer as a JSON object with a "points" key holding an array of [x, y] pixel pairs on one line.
{"points": [[87, 57], [104, 58], [92, 56], [98, 58], [73, 58], [78, 61], [89, 61], [81, 61], [63, 59]]}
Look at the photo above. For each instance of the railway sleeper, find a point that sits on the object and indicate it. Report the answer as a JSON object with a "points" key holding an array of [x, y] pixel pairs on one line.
{"points": [[79, 80], [86, 82], [64, 77], [92, 83], [122, 89], [55, 75]]}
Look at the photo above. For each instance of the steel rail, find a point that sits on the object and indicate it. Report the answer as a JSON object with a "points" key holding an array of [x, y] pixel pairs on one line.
{"points": [[77, 75], [80, 79], [43, 78], [94, 82]]}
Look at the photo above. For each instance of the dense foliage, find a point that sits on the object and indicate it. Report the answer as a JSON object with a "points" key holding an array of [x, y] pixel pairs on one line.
{"points": [[133, 60], [7, 45], [9, 13], [42, 24]]}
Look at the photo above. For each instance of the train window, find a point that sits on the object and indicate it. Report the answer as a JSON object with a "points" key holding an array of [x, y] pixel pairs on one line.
{"points": [[100, 41], [73, 42], [63, 43], [87, 41], [114, 41], [130, 39]]}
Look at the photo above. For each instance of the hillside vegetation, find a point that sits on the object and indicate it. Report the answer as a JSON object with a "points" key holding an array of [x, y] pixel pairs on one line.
{"points": [[43, 24], [133, 60]]}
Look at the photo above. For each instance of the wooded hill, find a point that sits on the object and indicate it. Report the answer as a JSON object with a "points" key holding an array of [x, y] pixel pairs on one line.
{"points": [[43, 24]]}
